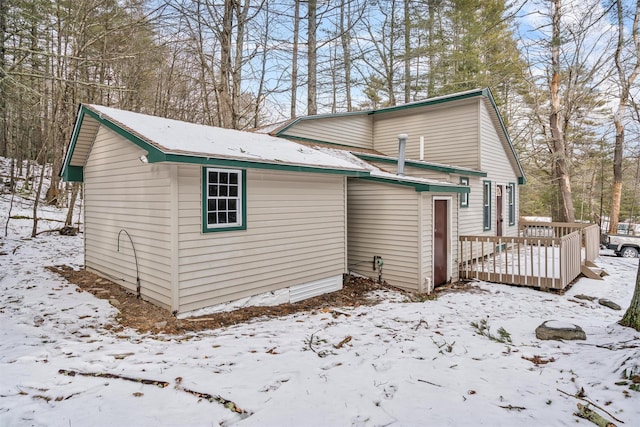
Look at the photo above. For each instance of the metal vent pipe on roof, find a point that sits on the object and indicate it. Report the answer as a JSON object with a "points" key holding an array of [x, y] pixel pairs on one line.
{"points": [[402, 145]]}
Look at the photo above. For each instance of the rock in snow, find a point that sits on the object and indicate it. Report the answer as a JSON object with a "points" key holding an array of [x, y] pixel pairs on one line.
{"points": [[608, 303], [555, 330]]}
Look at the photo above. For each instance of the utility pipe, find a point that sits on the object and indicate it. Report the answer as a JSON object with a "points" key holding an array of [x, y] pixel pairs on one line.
{"points": [[136, 258]]}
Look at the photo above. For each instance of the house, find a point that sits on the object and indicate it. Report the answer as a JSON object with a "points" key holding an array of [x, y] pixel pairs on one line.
{"points": [[189, 216], [457, 141]]}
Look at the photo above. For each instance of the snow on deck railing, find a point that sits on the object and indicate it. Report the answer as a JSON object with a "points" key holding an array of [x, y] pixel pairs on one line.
{"points": [[590, 234], [546, 255]]}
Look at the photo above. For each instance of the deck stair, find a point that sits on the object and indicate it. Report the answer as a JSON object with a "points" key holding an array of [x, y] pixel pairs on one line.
{"points": [[592, 271]]}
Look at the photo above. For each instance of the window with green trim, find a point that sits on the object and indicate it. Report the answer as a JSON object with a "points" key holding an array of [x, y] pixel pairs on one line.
{"points": [[486, 205], [511, 189], [224, 199], [464, 197]]}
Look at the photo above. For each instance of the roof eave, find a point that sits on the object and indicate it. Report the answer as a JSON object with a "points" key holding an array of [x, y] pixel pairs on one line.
{"points": [[420, 186], [420, 164], [157, 155]]}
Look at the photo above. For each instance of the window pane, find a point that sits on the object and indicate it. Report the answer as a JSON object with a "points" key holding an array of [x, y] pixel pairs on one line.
{"points": [[222, 196]]}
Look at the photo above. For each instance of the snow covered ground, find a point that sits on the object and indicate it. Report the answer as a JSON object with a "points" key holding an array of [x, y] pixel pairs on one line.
{"points": [[397, 363]]}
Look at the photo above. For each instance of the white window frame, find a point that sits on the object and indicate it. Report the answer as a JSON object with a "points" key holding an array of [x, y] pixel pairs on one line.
{"points": [[486, 205], [223, 199], [464, 197]]}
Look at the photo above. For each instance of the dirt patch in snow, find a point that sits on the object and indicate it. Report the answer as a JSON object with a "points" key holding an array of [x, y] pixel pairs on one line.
{"points": [[144, 316]]}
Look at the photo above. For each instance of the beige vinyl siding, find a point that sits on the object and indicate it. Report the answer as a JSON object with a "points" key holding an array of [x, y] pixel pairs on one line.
{"points": [[85, 138], [383, 221], [295, 234], [450, 133], [426, 241], [120, 192], [499, 171], [350, 130], [470, 218], [431, 174]]}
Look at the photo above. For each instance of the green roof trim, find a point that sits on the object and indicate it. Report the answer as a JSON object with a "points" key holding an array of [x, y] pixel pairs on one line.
{"points": [[434, 101], [155, 155], [420, 164], [320, 116], [68, 172], [74, 174], [419, 186]]}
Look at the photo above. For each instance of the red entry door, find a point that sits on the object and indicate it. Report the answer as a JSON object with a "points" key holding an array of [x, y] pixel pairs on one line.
{"points": [[440, 242]]}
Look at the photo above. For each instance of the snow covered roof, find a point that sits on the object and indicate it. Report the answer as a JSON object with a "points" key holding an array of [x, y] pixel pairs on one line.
{"points": [[380, 175], [190, 139]]}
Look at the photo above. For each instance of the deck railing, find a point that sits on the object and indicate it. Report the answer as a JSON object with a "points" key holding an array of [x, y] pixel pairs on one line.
{"points": [[546, 255]]}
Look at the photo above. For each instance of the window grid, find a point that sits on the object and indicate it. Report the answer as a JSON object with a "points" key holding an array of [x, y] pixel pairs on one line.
{"points": [[224, 201]]}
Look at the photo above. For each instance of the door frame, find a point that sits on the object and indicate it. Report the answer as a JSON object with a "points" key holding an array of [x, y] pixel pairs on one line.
{"points": [[449, 201]]}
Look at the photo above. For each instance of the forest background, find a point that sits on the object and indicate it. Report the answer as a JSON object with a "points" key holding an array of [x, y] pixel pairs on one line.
{"points": [[563, 72]]}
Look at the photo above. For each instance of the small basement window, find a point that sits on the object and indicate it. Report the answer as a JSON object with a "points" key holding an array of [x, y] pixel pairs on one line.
{"points": [[224, 200]]}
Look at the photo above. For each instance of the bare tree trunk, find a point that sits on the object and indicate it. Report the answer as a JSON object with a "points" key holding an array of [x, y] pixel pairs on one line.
{"points": [[618, 119], [263, 66], [294, 58], [558, 144], [430, 42], [4, 117], [312, 59], [34, 230], [226, 107], [631, 317], [407, 53], [236, 93], [72, 203], [390, 75], [345, 38]]}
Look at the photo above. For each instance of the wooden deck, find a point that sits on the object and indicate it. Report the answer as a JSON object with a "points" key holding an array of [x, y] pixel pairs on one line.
{"points": [[545, 255]]}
